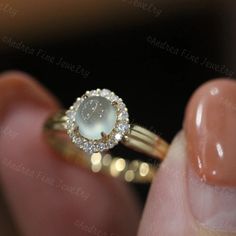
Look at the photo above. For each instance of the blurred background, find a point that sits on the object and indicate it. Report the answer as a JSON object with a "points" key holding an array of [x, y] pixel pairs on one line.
{"points": [[153, 54]]}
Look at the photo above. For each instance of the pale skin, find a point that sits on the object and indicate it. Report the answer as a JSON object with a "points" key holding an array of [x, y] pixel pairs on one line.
{"points": [[36, 182]]}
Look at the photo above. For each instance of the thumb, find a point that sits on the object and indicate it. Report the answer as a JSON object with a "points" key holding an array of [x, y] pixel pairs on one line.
{"points": [[193, 192]]}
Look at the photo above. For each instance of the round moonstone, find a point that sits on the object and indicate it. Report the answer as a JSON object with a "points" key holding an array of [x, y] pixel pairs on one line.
{"points": [[94, 116]]}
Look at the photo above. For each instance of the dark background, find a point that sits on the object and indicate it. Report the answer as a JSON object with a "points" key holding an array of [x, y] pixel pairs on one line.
{"points": [[154, 83]]}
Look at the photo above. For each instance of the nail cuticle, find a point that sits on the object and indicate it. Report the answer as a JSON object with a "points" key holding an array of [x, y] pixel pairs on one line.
{"points": [[212, 206]]}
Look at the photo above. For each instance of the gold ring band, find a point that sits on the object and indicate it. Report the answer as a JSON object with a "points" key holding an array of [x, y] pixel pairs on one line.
{"points": [[97, 122], [139, 139]]}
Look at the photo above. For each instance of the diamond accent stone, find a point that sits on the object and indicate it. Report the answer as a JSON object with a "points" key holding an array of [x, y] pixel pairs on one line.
{"points": [[122, 127], [118, 136]]}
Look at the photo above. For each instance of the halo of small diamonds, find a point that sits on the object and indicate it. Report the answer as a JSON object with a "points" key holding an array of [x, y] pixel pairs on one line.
{"points": [[120, 129]]}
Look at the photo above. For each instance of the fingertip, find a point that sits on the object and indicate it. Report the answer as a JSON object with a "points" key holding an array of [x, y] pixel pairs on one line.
{"points": [[166, 211], [16, 86], [42, 189]]}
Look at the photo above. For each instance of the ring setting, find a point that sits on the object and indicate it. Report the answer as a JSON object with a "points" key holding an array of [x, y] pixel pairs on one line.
{"points": [[97, 121]]}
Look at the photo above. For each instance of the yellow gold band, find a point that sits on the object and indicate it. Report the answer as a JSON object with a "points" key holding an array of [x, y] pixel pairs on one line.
{"points": [[139, 139]]}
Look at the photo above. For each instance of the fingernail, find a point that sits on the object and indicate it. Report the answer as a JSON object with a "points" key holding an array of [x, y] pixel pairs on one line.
{"points": [[210, 130], [210, 127]]}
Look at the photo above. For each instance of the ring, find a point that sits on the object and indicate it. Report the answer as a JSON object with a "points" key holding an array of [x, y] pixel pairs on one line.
{"points": [[96, 123]]}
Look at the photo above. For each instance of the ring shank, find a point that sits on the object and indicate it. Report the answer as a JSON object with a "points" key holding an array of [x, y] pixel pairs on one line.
{"points": [[139, 139]]}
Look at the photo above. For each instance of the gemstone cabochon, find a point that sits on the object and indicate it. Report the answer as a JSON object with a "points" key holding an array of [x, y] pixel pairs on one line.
{"points": [[97, 121]]}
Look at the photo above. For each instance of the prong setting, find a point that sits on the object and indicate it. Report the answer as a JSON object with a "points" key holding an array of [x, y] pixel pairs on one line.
{"points": [[104, 136]]}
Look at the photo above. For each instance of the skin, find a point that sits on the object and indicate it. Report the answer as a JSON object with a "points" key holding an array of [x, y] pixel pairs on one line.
{"points": [[109, 207]]}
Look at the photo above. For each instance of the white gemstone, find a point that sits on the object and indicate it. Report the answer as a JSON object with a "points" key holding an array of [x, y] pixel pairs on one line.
{"points": [[105, 92], [121, 106], [123, 115], [101, 146], [118, 136], [87, 147], [94, 93], [123, 127], [70, 114], [94, 116], [112, 97]]}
